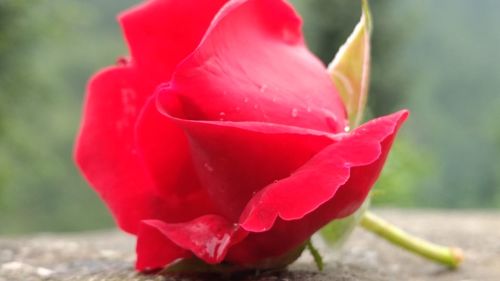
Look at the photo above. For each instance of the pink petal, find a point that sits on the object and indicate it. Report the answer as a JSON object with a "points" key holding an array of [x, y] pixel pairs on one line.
{"points": [[164, 148], [234, 160], [160, 33], [154, 250], [106, 151], [208, 237], [333, 184], [252, 65]]}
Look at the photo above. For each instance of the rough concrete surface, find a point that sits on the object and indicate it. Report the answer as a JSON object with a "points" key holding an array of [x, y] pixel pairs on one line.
{"points": [[109, 255]]}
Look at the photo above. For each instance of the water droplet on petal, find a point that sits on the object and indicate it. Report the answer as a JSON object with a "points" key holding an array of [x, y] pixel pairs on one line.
{"points": [[263, 88], [289, 35], [208, 167], [221, 115], [128, 97], [295, 113], [347, 129]]}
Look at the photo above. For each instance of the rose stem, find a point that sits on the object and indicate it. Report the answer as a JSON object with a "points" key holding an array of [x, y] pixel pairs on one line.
{"points": [[318, 259], [448, 256]]}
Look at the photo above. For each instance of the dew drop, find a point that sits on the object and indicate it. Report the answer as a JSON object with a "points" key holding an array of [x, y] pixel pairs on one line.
{"points": [[208, 167], [221, 115], [128, 97], [289, 35], [347, 129], [263, 88], [295, 113]]}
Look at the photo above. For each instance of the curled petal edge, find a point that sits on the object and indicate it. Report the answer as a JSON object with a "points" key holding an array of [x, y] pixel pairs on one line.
{"points": [[358, 148], [207, 237]]}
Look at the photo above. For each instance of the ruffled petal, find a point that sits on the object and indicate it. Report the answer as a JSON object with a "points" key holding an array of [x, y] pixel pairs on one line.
{"points": [[106, 150], [318, 180], [252, 65], [154, 250], [160, 33], [164, 148], [113, 162], [208, 237], [235, 160], [333, 184]]}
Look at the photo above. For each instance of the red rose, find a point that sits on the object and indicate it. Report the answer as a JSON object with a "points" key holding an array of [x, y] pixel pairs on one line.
{"points": [[222, 137]]}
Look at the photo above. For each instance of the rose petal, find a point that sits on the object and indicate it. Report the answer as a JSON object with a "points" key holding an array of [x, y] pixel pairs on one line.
{"points": [[333, 184], [110, 159], [252, 65], [164, 148], [154, 250], [160, 33], [105, 149], [208, 237], [226, 156], [292, 199]]}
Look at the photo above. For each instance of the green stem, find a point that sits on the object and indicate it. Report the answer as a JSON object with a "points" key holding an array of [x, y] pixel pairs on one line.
{"points": [[318, 259], [448, 256]]}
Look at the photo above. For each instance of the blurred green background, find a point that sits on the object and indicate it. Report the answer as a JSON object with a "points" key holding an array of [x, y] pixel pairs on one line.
{"points": [[440, 59]]}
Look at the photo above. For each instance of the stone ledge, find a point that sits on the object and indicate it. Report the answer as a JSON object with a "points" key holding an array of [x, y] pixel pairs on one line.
{"points": [[109, 256]]}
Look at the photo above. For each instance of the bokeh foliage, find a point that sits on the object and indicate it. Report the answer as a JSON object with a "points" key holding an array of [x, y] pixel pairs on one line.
{"points": [[437, 58], [48, 49]]}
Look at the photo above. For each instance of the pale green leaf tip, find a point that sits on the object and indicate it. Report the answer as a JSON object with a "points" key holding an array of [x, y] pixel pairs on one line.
{"points": [[365, 6]]}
